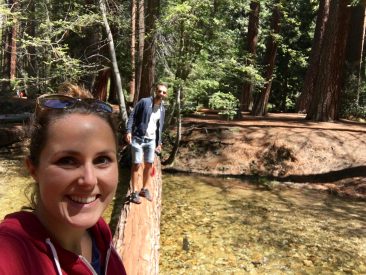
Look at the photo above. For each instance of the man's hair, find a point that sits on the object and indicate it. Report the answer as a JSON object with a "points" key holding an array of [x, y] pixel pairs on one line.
{"points": [[161, 84]]}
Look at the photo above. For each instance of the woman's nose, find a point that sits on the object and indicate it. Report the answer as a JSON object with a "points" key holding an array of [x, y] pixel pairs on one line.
{"points": [[88, 175]]}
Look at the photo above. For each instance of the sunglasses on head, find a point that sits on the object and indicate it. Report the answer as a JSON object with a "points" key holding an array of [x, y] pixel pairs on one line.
{"points": [[66, 102]]}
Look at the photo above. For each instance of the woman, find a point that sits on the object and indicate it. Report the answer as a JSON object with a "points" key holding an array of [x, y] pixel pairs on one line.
{"points": [[73, 160]]}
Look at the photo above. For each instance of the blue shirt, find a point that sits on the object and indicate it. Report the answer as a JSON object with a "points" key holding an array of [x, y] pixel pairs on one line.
{"points": [[140, 117]]}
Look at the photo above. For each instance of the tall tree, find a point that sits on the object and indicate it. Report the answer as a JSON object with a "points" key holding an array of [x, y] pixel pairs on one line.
{"points": [[149, 59], [252, 39], [260, 104], [355, 44], [324, 105], [116, 73], [133, 49], [9, 42], [141, 42], [305, 98]]}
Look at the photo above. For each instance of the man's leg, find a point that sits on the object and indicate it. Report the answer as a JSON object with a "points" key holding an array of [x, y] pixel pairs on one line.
{"points": [[137, 154], [135, 169], [147, 175], [149, 155]]}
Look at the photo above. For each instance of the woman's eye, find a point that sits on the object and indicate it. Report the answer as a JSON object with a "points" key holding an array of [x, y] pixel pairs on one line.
{"points": [[102, 160], [67, 161]]}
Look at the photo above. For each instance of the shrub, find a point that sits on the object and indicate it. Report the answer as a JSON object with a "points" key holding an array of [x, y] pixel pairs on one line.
{"points": [[225, 103]]}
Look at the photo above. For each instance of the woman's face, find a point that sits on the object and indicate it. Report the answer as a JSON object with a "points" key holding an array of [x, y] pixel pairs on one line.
{"points": [[78, 172]]}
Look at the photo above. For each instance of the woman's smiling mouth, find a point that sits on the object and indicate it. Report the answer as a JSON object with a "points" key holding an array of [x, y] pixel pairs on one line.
{"points": [[83, 200]]}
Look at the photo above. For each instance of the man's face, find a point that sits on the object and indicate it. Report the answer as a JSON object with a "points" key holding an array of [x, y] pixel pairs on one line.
{"points": [[161, 91]]}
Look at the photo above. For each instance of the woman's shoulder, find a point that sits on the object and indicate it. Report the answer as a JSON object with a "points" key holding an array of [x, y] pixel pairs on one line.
{"points": [[21, 229], [17, 251]]}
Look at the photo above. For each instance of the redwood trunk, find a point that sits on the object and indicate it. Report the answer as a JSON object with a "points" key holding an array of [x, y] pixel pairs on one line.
{"points": [[325, 102], [305, 98], [141, 41], [247, 89], [133, 49], [260, 106], [149, 59], [355, 46]]}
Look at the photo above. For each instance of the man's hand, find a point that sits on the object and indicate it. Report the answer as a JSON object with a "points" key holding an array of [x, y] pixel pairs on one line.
{"points": [[158, 149], [128, 138]]}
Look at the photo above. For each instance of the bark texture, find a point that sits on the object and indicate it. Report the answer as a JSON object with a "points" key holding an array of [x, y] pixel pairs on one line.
{"points": [[137, 234], [149, 59], [325, 102], [260, 105], [312, 71], [252, 38]]}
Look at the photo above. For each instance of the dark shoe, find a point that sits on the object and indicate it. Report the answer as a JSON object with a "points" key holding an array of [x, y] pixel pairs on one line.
{"points": [[135, 198], [146, 194]]}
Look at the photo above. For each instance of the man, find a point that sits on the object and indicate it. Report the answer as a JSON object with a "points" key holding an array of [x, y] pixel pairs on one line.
{"points": [[144, 133]]}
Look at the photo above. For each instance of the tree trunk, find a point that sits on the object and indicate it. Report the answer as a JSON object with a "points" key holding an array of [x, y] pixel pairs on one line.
{"points": [[354, 50], [148, 64], [325, 101], [246, 97], [141, 41], [13, 47], [9, 49], [133, 50], [137, 234], [178, 136], [116, 74], [100, 90], [260, 105], [307, 92]]}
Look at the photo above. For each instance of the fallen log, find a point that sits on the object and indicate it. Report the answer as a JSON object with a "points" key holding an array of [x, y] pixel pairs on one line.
{"points": [[14, 118], [137, 235], [11, 134]]}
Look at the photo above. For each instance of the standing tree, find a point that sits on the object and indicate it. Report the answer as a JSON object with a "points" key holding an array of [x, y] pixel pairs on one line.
{"points": [[324, 104], [149, 59], [252, 39], [133, 49], [304, 99], [354, 51], [9, 46], [260, 104], [141, 41], [116, 73]]}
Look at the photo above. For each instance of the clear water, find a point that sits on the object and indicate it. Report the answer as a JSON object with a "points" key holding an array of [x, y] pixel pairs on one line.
{"points": [[222, 226], [217, 226]]}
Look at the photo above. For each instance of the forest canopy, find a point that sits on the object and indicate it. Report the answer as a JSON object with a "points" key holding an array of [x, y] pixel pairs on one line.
{"points": [[250, 56]]}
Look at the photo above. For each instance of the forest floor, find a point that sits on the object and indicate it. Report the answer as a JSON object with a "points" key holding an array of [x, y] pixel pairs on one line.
{"points": [[279, 148]]}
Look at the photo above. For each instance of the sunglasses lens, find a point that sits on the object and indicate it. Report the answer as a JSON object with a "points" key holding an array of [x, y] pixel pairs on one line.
{"points": [[65, 102], [99, 106], [57, 103]]}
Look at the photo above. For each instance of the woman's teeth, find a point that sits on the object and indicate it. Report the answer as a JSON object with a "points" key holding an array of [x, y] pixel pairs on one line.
{"points": [[83, 199]]}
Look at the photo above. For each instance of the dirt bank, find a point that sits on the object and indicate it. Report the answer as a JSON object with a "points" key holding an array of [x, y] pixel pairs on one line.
{"points": [[281, 147]]}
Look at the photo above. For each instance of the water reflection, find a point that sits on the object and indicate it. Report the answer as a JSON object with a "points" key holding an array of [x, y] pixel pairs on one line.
{"points": [[217, 226]]}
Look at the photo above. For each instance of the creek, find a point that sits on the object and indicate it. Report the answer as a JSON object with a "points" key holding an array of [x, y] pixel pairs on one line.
{"points": [[226, 226]]}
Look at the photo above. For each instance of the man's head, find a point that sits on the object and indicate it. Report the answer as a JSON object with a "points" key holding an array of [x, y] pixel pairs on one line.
{"points": [[161, 91]]}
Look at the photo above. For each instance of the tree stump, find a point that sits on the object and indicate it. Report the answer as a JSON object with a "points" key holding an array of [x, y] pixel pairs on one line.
{"points": [[137, 234]]}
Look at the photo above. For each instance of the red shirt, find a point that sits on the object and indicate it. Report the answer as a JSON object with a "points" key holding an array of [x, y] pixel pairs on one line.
{"points": [[27, 248]]}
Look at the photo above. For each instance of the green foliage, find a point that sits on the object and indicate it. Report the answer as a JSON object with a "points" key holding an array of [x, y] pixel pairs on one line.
{"points": [[225, 103], [353, 103], [60, 40]]}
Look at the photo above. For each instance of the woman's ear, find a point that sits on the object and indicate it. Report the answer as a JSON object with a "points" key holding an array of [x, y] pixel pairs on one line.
{"points": [[31, 168]]}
